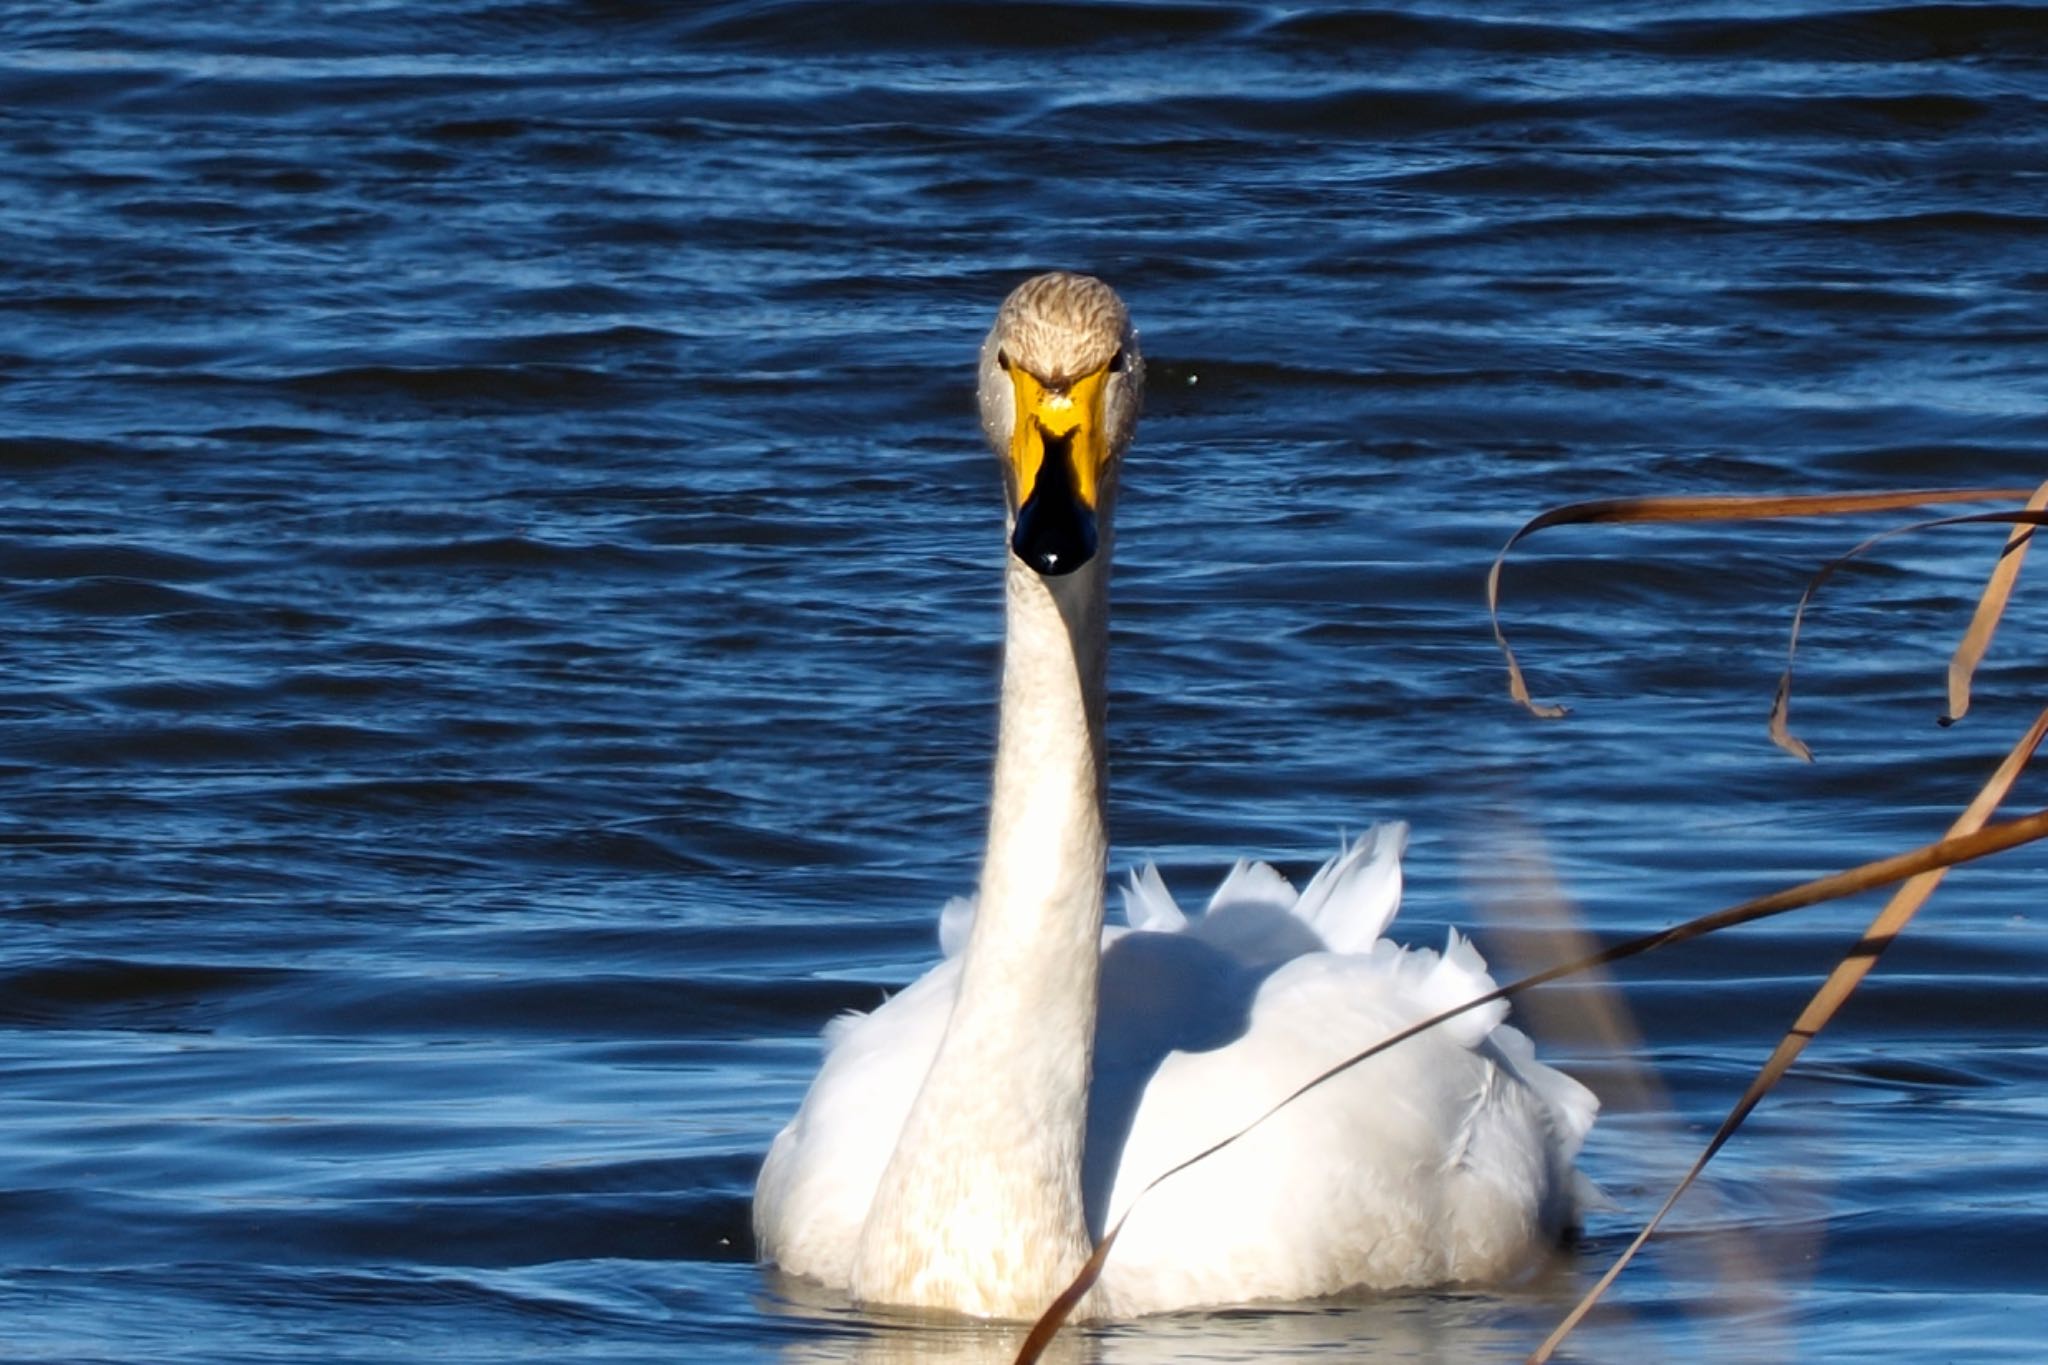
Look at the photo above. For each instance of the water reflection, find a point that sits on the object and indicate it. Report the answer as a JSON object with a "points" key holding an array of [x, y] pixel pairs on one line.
{"points": [[1449, 1327]]}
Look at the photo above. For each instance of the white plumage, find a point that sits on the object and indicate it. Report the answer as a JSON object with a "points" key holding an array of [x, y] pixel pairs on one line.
{"points": [[965, 1144], [1445, 1159]]}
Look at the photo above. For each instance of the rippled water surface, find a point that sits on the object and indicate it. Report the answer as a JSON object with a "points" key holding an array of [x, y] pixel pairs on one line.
{"points": [[501, 590]]}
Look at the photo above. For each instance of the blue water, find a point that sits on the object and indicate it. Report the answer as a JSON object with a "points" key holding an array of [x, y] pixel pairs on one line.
{"points": [[501, 596]]}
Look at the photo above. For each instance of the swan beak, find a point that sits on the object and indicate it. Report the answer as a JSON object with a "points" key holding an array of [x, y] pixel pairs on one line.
{"points": [[1058, 449]]}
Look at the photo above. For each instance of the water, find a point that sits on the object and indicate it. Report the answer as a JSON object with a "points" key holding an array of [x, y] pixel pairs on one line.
{"points": [[501, 597]]}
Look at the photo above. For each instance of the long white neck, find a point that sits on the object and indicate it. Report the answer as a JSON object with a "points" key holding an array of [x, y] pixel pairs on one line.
{"points": [[980, 1209]]}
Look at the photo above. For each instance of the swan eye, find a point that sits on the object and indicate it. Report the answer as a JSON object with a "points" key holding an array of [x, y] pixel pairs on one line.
{"points": [[1117, 363], [1003, 359]]}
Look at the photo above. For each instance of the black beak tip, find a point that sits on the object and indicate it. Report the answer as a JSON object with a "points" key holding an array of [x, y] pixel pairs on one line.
{"points": [[1054, 545]]}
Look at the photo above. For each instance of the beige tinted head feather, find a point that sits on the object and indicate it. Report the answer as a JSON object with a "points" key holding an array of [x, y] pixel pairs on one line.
{"points": [[1061, 326]]}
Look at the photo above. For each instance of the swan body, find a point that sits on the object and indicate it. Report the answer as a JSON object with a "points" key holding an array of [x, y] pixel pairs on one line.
{"points": [[965, 1144]]}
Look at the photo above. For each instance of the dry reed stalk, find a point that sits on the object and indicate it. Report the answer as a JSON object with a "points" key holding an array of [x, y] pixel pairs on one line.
{"points": [[1710, 508], [1977, 639], [1837, 988]]}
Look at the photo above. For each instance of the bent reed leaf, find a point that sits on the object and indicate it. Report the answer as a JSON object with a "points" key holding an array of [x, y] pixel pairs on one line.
{"points": [[1837, 988], [1781, 734], [1706, 507], [1851, 881], [1962, 665]]}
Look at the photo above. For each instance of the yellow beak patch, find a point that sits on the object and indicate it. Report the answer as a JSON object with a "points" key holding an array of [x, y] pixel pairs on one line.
{"points": [[1072, 416]]}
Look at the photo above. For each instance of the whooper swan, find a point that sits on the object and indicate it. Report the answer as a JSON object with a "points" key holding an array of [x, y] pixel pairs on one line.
{"points": [[965, 1142]]}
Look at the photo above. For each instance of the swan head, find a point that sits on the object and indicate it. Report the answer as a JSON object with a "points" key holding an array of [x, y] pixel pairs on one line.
{"points": [[1061, 384]]}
